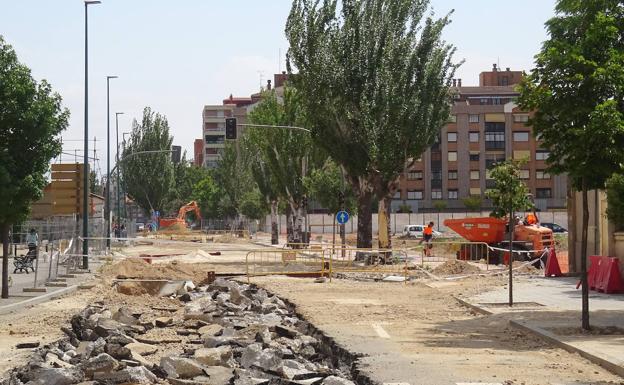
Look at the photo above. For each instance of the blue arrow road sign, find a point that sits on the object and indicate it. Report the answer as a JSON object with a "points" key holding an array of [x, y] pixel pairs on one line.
{"points": [[342, 217]]}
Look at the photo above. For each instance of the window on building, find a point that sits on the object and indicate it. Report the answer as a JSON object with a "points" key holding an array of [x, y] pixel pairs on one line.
{"points": [[436, 193], [522, 136], [397, 195], [415, 195], [524, 174], [475, 191], [541, 154], [543, 193], [214, 139], [436, 174], [452, 156], [415, 175], [473, 137], [451, 137], [220, 114], [484, 101], [453, 119], [522, 154], [211, 151], [541, 174], [494, 135], [452, 175], [473, 118], [474, 156], [491, 159], [505, 81], [496, 101], [453, 194], [475, 175], [521, 118]]}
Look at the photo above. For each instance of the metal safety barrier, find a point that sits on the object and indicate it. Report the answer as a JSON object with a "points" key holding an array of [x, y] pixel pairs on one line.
{"points": [[285, 262], [369, 260], [237, 233], [440, 252]]}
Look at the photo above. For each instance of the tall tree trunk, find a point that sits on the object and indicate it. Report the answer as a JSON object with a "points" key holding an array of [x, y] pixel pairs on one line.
{"points": [[383, 221], [274, 229], [365, 220], [298, 224], [584, 285], [4, 228], [289, 224]]}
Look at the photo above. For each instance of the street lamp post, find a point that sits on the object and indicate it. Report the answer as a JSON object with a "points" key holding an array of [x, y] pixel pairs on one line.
{"points": [[85, 195], [117, 161], [108, 208]]}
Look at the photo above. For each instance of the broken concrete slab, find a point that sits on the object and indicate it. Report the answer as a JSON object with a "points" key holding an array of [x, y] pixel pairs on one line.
{"points": [[180, 367], [141, 348], [213, 356]]}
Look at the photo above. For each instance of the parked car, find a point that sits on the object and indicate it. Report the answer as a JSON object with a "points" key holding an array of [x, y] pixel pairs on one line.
{"points": [[416, 231], [554, 227], [140, 226]]}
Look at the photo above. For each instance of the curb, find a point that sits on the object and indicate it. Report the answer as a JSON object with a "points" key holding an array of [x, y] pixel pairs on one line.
{"points": [[37, 300], [609, 364]]}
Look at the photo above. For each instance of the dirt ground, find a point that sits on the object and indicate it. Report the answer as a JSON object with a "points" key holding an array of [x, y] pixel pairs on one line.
{"points": [[422, 335], [416, 333]]}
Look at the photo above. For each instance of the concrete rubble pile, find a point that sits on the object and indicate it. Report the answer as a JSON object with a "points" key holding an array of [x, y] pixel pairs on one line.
{"points": [[227, 333]]}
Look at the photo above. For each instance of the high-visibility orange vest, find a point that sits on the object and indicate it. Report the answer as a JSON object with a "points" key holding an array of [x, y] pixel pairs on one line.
{"points": [[428, 230], [531, 219]]}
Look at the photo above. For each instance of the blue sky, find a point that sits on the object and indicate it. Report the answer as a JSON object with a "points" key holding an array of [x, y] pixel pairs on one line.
{"points": [[176, 56]]}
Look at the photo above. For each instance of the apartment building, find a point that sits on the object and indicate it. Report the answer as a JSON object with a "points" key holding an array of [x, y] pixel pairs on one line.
{"points": [[208, 149], [214, 126], [486, 127]]}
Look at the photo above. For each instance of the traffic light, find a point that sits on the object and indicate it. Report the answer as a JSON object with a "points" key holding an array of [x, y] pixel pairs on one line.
{"points": [[230, 128]]}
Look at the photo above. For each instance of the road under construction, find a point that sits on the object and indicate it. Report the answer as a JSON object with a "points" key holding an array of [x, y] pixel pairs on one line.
{"points": [[261, 313]]}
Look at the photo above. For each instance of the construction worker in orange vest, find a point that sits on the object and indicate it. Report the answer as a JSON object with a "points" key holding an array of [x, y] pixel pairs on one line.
{"points": [[427, 238], [531, 219]]}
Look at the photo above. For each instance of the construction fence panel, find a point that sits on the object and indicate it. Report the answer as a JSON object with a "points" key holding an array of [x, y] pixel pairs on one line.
{"points": [[285, 262]]}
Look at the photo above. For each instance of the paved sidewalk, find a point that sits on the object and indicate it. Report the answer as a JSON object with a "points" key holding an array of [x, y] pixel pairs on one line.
{"points": [[550, 307], [20, 280]]}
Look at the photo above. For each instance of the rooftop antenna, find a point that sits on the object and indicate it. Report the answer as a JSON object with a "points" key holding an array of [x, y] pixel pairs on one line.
{"points": [[279, 60], [261, 75]]}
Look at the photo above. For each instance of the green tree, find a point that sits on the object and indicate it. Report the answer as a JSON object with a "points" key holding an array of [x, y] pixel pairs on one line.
{"points": [[576, 91], [148, 177], [234, 179], [31, 120], [185, 175], [253, 205], [615, 199], [509, 195], [472, 203], [325, 186], [286, 153], [207, 195], [375, 76]]}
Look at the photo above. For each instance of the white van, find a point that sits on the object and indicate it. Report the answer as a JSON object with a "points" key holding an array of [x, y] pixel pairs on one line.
{"points": [[416, 231]]}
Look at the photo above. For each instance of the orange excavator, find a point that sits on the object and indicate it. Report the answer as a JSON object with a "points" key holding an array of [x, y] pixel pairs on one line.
{"points": [[180, 220]]}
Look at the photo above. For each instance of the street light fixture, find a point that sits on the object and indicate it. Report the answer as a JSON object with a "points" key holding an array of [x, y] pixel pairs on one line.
{"points": [[108, 208], [85, 195], [117, 161]]}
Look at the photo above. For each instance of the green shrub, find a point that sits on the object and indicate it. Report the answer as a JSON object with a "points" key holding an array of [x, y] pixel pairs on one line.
{"points": [[615, 199]]}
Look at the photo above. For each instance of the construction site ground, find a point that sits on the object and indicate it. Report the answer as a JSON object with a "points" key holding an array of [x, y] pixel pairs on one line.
{"points": [[415, 333]]}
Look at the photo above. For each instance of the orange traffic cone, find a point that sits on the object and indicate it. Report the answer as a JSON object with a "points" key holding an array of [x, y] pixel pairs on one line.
{"points": [[552, 268]]}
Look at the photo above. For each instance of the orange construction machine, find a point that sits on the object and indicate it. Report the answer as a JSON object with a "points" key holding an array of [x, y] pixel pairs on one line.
{"points": [[493, 231], [180, 220]]}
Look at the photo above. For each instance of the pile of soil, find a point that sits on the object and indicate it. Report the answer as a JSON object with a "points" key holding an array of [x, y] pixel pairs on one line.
{"points": [[522, 267], [137, 268], [455, 266]]}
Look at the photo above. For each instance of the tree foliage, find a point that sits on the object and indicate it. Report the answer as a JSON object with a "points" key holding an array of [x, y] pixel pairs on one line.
{"points": [[207, 194], [253, 205], [473, 202], [31, 120], [375, 75], [577, 93], [510, 194], [148, 177], [233, 178], [615, 199], [325, 186]]}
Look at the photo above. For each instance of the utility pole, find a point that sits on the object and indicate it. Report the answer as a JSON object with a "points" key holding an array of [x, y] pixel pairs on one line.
{"points": [[85, 194], [117, 161], [108, 175]]}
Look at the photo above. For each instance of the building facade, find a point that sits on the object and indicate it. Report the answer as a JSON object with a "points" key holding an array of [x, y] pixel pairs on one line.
{"points": [[486, 127], [208, 150]]}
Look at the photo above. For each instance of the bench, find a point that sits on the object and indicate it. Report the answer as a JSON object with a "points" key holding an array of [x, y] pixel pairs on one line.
{"points": [[25, 262]]}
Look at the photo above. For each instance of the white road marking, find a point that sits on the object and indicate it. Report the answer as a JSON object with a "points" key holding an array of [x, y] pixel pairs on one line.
{"points": [[380, 331], [479, 383]]}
